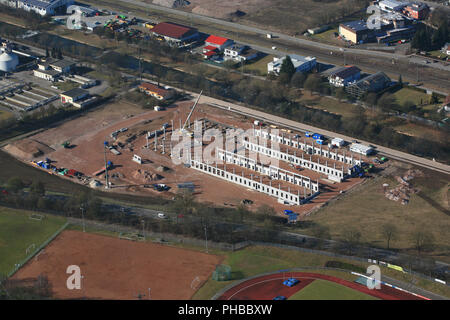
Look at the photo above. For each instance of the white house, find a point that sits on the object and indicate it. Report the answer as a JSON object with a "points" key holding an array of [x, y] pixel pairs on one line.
{"points": [[344, 76], [240, 53], [303, 64]]}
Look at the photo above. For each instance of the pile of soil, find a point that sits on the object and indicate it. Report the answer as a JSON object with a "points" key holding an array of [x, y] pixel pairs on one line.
{"points": [[402, 192], [28, 149], [146, 176]]}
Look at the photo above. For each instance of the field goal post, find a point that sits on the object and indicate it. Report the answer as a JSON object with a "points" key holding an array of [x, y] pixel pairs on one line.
{"points": [[30, 247], [37, 217], [222, 273]]}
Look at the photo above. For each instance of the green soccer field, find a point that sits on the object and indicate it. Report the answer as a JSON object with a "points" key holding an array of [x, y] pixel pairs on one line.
{"points": [[326, 290], [18, 232]]}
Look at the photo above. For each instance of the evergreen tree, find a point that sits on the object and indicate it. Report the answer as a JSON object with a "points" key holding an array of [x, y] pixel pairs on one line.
{"points": [[287, 67]]}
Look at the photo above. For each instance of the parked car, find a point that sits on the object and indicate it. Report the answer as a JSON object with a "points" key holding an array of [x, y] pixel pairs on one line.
{"points": [[162, 215], [279, 298]]}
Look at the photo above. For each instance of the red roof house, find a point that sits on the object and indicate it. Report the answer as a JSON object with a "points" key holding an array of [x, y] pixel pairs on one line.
{"points": [[218, 42]]}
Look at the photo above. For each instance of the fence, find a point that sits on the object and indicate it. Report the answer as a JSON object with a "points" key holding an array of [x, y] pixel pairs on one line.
{"points": [[45, 243]]}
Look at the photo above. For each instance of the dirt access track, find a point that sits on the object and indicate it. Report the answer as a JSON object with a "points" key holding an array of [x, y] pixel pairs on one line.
{"points": [[120, 269]]}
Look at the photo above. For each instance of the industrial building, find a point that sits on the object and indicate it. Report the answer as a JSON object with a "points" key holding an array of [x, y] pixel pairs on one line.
{"points": [[417, 10], [373, 83], [52, 69], [41, 7], [302, 64], [176, 33], [344, 76], [392, 5], [77, 97]]}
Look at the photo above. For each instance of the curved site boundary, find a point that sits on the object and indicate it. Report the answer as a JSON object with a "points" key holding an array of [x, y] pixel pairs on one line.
{"points": [[267, 287]]}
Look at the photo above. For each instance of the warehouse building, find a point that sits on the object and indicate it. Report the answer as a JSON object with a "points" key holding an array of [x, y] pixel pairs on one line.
{"points": [[356, 31], [41, 7], [392, 5], [176, 33]]}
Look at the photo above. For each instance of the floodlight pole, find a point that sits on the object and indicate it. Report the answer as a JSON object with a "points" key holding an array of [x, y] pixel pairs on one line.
{"points": [[82, 218]]}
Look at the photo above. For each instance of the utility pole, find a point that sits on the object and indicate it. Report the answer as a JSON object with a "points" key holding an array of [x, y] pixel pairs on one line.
{"points": [[106, 166], [206, 239]]}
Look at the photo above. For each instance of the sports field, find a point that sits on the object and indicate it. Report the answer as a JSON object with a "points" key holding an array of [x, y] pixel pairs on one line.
{"points": [[326, 290], [113, 268], [18, 232]]}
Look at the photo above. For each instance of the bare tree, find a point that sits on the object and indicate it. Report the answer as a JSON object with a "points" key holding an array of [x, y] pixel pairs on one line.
{"points": [[351, 238], [389, 232], [422, 240]]}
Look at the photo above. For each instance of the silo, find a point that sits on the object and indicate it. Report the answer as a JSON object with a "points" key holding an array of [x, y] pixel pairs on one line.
{"points": [[8, 62]]}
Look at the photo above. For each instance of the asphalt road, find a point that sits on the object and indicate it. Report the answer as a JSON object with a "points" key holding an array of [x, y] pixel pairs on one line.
{"points": [[391, 63]]}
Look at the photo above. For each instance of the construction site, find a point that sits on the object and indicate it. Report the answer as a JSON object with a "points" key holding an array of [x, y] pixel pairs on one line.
{"points": [[221, 157]]}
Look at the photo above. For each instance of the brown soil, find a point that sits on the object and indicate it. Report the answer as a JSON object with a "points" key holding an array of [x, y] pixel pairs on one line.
{"points": [[119, 269], [28, 149]]}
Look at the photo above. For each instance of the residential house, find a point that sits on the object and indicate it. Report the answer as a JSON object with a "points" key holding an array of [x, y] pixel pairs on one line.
{"points": [[373, 83], [344, 76], [156, 91], [303, 64], [219, 42], [239, 53]]}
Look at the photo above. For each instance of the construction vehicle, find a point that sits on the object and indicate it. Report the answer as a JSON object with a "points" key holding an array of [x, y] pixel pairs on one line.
{"points": [[183, 130], [66, 144]]}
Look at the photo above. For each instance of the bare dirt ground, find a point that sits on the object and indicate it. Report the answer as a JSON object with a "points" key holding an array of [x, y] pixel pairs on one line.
{"points": [[120, 269], [88, 133]]}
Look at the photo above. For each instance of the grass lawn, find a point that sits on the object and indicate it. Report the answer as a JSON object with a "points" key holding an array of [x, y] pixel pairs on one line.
{"points": [[260, 65], [326, 290], [18, 232], [421, 131], [326, 36], [67, 85], [419, 98], [329, 104], [367, 209]]}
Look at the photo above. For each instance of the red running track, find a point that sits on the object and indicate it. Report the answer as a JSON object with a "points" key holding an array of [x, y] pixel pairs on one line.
{"points": [[269, 286]]}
